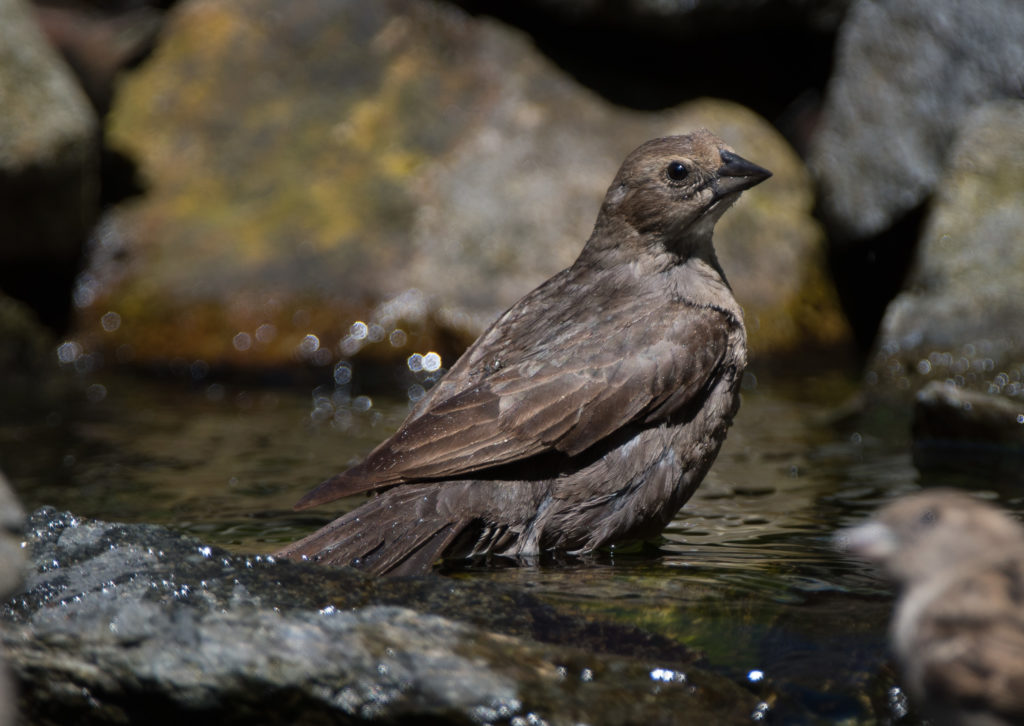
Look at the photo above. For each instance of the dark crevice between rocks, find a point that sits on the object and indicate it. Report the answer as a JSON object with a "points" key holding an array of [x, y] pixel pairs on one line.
{"points": [[869, 273], [776, 62], [45, 286]]}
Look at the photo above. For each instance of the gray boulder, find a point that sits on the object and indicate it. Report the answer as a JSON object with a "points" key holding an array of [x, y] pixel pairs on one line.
{"points": [[961, 315], [908, 72], [131, 623]]}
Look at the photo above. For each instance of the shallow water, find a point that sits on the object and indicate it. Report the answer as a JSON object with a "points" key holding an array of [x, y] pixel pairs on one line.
{"points": [[746, 573]]}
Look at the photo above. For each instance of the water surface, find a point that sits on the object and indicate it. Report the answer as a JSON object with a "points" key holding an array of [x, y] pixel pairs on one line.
{"points": [[746, 573]]}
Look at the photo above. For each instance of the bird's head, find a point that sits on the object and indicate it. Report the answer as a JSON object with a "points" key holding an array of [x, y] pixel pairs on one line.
{"points": [[920, 535], [671, 191]]}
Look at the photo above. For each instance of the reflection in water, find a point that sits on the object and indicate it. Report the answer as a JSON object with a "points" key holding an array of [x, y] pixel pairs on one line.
{"points": [[746, 572]]}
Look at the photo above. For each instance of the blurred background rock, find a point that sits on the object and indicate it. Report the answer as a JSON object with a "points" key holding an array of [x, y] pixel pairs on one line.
{"points": [[211, 188]]}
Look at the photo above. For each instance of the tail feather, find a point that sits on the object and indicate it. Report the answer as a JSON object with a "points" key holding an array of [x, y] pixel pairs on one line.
{"points": [[377, 539]]}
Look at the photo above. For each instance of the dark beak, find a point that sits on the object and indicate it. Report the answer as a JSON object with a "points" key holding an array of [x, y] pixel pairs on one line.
{"points": [[736, 174]]}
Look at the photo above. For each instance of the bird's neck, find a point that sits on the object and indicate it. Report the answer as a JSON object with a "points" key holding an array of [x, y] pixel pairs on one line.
{"points": [[618, 246]]}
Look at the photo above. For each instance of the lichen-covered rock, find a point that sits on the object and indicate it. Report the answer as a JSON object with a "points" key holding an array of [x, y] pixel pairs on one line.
{"points": [[119, 622], [399, 165]]}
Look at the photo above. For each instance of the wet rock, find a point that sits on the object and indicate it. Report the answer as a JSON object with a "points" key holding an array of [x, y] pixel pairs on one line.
{"points": [[943, 413], [118, 622], [961, 315], [389, 199], [48, 167], [981, 434], [907, 74]]}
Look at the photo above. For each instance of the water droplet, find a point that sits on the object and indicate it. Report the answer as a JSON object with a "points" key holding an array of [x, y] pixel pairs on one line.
{"points": [[342, 373], [69, 351], [362, 403], [431, 362], [199, 370], [266, 333], [309, 345], [375, 334], [242, 341], [110, 321], [760, 712]]}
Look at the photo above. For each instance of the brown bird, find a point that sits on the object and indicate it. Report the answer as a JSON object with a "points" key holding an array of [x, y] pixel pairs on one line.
{"points": [[958, 628], [589, 412]]}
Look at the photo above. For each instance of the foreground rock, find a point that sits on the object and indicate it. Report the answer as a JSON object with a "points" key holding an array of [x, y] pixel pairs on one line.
{"points": [[118, 622], [961, 315], [417, 183]]}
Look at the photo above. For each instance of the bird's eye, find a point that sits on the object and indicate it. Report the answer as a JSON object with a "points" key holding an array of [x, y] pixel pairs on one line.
{"points": [[677, 171]]}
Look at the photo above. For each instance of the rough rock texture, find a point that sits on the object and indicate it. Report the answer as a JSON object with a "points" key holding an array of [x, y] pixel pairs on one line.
{"points": [[48, 166], [125, 623], [418, 181], [961, 316], [907, 73]]}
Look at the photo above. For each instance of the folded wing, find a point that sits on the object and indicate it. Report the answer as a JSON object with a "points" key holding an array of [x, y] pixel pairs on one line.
{"points": [[534, 405]]}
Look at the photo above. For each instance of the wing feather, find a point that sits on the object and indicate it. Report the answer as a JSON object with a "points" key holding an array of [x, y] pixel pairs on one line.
{"points": [[535, 405]]}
